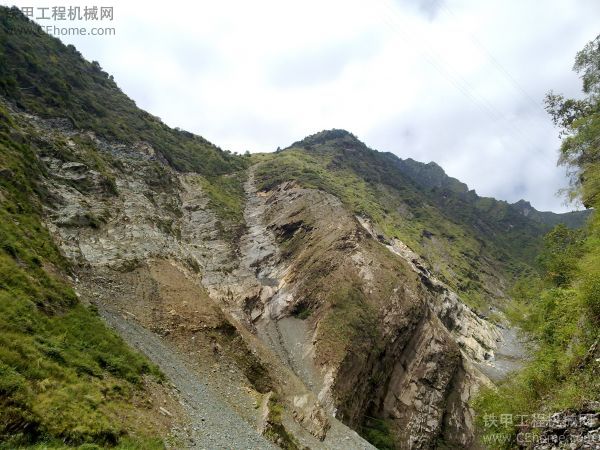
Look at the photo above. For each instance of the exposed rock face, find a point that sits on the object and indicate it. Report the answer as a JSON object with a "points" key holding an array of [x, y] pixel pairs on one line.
{"points": [[309, 302], [414, 366], [571, 429], [476, 336]]}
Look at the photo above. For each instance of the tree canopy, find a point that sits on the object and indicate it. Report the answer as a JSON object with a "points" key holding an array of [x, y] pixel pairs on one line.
{"points": [[579, 123]]}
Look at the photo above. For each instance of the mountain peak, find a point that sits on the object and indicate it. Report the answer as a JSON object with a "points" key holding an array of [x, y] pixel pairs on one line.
{"points": [[430, 175], [335, 135], [523, 204]]}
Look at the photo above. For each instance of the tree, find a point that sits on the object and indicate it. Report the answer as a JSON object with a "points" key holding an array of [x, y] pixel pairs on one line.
{"points": [[563, 247], [579, 124]]}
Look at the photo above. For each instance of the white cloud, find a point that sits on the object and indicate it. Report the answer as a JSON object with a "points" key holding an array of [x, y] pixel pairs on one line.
{"points": [[460, 82]]}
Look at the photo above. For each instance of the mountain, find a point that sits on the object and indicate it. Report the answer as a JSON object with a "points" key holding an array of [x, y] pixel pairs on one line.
{"points": [[475, 244], [431, 176], [573, 219], [157, 291]]}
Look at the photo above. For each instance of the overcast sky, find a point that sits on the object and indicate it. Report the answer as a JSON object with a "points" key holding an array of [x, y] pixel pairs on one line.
{"points": [[458, 82]]}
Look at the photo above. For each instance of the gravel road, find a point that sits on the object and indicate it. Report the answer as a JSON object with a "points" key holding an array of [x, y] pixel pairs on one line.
{"points": [[213, 424]]}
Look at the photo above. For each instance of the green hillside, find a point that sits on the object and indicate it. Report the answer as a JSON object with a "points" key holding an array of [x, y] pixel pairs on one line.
{"points": [[560, 308], [42, 75], [64, 376], [475, 244]]}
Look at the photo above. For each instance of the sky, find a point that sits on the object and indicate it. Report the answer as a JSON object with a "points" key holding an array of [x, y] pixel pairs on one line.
{"points": [[458, 82]]}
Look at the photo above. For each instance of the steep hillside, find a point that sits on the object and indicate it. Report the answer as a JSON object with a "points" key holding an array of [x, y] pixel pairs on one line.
{"points": [[42, 75], [65, 378], [475, 244], [558, 392], [318, 297], [63, 374]]}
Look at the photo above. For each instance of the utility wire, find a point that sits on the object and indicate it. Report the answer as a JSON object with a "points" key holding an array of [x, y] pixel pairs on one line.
{"points": [[507, 75], [456, 80]]}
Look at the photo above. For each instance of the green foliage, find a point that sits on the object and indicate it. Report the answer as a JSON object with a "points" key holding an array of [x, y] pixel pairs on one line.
{"points": [[589, 266], [43, 76], [587, 63], [226, 194], [126, 443], [378, 433], [554, 379], [560, 311], [563, 247], [579, 122], [302, 313], [275, 430], [63, 375], [348, 320]]}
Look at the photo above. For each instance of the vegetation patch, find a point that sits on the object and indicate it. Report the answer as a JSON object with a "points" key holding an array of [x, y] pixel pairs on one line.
{"points": [[64, 376], [275, 430], [559, 308], [378, 433], [227, 199], [347, 319]]}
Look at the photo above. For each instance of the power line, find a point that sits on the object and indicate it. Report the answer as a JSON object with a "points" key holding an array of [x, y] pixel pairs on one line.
{"points": [[507, 75], [456, 80]]}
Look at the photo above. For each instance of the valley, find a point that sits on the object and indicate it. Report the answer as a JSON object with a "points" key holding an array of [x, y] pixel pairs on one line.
{"points": [[157, 291]]}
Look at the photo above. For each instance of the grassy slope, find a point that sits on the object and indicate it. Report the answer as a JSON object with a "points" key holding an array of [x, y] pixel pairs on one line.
{"points": [[226, 199], [63, 374], [559, 311], [42, 75]]}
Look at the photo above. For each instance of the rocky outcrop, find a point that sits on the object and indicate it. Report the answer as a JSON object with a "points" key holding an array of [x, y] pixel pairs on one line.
{"points": [[476, 336], [309, 302], [146, 250], [571, 429], [416, 370]]}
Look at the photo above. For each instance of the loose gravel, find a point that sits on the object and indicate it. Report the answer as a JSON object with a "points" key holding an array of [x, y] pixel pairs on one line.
{"points": [[213, 424]]}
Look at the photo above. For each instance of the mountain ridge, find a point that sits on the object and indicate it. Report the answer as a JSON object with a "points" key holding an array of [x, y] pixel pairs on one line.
{"points": [[320, 291], [406, 205], [432, 176]]}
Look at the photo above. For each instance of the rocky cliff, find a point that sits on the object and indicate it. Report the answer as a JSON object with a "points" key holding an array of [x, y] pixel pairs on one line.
{"points": [[291, 299], [308, 302]]}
